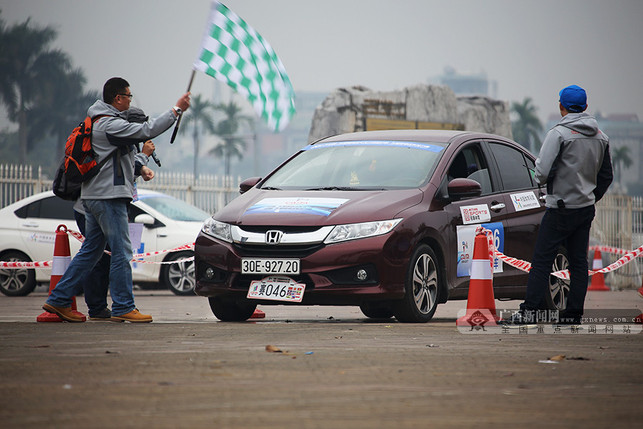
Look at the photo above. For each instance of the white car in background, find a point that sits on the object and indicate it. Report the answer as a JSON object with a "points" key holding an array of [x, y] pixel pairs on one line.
{"points": [[28, 231]]}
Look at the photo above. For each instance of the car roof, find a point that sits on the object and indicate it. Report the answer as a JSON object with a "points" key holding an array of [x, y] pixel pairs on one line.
{"points": [[429, 136]]}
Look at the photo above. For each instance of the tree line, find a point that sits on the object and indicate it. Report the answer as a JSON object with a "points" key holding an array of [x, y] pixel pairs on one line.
{"points": [[46, 96]]}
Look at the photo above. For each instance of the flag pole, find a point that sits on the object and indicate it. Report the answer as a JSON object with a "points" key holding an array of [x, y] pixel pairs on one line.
{"points": [[178, 121]]}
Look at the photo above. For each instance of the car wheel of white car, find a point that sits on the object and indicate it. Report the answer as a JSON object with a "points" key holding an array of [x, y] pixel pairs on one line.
{"points": [[556, 299], [421, 287], [179, 277], [16, 282], [228, 309]]}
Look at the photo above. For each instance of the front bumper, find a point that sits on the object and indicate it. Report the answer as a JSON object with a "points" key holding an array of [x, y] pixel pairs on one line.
{"points": [[330, 272]]}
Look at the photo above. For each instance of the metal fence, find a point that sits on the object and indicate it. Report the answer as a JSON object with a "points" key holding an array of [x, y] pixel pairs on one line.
{"points": [[208, 192], [618, 222]]}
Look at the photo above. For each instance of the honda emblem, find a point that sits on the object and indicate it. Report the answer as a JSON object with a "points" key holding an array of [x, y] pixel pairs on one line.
{"points": [[273, 236]]}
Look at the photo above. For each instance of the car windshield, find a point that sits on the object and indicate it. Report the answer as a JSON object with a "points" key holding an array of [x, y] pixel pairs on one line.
{"points": [[174, 208], [358, 165]]}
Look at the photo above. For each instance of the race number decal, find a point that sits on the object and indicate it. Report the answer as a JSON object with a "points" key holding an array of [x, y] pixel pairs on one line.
{"points": [[466, 238]]}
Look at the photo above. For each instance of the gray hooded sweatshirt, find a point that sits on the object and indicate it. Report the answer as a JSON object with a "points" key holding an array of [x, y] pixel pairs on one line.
{"points": [[115, 138], [574, 162]]}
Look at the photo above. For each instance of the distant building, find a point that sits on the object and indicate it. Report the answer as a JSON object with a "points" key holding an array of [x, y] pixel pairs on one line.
{"points": [[468, 84]]}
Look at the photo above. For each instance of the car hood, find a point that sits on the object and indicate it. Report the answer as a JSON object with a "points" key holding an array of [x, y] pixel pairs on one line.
{"points": [[316, 208]]}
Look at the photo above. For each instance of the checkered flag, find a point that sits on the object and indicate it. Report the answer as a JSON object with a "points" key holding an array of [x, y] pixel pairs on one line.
{"points": [[234, 53]]}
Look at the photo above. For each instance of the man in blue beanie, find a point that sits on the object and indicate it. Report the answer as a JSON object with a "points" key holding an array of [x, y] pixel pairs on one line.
{"points": [[575, 164]]}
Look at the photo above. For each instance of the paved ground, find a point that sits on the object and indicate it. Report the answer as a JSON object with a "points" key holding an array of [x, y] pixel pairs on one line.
{"points": [[336, 369]]}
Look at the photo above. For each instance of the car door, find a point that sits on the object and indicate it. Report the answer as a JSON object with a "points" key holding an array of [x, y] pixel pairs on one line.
{"points": [[522, 198], [38, 222], [147, 242], [465, 215]]}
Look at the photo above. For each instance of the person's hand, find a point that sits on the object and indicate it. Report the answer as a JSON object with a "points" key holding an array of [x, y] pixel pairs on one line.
{"points": [[147, 173], [184, 101], [148, 148]]}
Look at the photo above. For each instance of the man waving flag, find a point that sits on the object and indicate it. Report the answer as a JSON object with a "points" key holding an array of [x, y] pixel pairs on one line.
{"points": [[234, 53]]}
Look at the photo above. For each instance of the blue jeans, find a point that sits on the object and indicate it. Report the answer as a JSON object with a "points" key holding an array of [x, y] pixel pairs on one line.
{"points": [[96, 282], [570, 228], [105, 223]]}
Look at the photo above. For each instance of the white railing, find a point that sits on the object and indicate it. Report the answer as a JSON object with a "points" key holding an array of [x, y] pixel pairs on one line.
{"points": [[619, 224], [208, 192]]}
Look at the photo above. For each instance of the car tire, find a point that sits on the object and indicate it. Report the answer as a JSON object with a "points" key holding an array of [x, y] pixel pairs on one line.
{"points": [[422, 287], [556, 299], [377, 310], [17, 282], [179, 277], [228, 309]]}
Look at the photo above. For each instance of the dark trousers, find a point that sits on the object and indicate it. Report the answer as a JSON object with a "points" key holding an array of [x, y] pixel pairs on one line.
{"points": [[96, 280], [568, 227]]}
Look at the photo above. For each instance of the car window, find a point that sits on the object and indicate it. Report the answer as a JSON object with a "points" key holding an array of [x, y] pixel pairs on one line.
{"points": [[514, 167], [358, 165], [174, 208], [469, 163], [48, 208]]}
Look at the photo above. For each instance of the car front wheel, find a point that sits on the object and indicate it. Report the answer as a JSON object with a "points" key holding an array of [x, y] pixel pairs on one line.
{"points": [[179, 277], [377, 310], [421, 287], [17, 281], [228, 309]]}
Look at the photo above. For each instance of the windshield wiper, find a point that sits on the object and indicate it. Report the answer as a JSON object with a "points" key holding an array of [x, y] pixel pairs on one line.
{"points": [[271, 188], [332, 188]]}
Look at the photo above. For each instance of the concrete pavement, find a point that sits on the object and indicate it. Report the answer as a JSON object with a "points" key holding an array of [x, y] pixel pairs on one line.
{"points": [[333, 369]]}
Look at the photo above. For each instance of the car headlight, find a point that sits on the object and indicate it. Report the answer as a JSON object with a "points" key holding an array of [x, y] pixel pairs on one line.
{"points": [[360, 230], [217, 229]]}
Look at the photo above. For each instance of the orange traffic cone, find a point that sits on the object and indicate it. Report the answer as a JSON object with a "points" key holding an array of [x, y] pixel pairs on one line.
{"points": [[481, 304], [62, 258], [258, 314], [598, 279]]}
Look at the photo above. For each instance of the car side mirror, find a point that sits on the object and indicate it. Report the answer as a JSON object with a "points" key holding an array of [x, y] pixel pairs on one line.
{"points": [[463, 188], [145, 219], [247, 184]]}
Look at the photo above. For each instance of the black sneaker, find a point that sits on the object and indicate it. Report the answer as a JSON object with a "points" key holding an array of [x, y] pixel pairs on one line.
{"points": [[104, 315]]}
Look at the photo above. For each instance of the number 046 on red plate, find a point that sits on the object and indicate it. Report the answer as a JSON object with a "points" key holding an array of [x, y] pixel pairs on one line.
{"points": [[277, 288]]}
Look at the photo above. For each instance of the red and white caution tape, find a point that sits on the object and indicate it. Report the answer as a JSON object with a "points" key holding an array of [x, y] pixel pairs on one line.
{"points": [[22, 264], [139, 257], [628, 256]]}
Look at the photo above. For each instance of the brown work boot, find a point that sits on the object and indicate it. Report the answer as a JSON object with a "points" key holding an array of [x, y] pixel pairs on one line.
{"points": [[133, 316], [64, 313]]}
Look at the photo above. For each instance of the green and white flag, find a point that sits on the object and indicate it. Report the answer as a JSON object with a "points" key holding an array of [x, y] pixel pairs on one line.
{"points": [[234, 53]]}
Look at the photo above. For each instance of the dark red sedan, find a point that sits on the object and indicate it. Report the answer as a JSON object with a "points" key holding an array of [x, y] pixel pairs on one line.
{"points": [[383, 220]]}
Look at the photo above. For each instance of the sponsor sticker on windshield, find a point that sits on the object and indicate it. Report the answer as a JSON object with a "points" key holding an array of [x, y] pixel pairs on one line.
{"points": [[475, 214], [313, 206], [525, 201], [410, 145]]}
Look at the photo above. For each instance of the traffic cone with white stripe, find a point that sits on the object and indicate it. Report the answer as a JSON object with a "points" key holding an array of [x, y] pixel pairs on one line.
{"points": [[62, 259], [481, 304], [598, 279]]}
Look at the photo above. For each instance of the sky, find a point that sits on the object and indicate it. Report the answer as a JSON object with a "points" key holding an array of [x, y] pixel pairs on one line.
{"points": [[529, 48]]}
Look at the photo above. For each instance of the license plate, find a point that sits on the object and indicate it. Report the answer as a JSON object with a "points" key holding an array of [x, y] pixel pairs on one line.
{"points": [[277, 289], [269, 266]]}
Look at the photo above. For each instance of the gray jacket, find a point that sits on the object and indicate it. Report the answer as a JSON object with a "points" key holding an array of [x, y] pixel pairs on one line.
{"points": [[115, 138], [574, 162]]}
